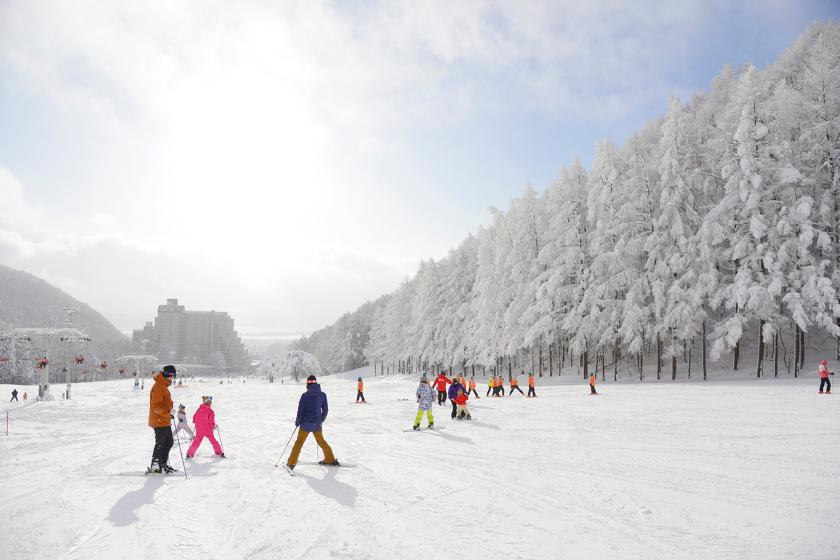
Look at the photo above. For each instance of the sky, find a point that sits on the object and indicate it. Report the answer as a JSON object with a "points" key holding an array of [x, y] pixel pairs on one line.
{"points": [[288, 161]]}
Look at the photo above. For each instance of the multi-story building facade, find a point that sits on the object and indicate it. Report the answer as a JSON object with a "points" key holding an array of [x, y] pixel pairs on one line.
{"points": [[198, 337]]}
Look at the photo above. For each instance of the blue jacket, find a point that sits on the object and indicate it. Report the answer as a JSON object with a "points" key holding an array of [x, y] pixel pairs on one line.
{"points": [[312, 409], [454, 388], [425, 396]]}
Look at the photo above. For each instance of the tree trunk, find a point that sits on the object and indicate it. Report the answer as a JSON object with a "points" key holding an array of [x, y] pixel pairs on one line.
{"points": [[690, 351], [615, 360], [796, 351], [801, 349], [776, 354], [760, 358], [550, 363], [585, 363], [658, 357], [509, 366], [704, 350], [735, 355], [641, 366], [540, 363]]}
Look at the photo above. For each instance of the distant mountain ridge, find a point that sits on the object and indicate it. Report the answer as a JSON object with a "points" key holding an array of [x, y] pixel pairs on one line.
{"points": [[29, 301]]}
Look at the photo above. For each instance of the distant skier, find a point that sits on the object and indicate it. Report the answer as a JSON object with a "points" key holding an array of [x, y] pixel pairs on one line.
{"points": [[205, 422], [592, 380], [453, 392], [160, 418], [15, 393], [531, 391], [491, 384], [441, 381], [360, 386], [182, 422], [514, 384], [824, 380], [472, 387], [461, 402], [312, 412], [25, 395], [425, 400]]}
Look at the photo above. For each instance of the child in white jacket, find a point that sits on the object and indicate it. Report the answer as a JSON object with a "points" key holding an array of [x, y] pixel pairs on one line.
{"points": [[182, 422]]}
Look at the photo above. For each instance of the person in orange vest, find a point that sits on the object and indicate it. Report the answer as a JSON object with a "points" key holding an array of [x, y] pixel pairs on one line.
{"points": [[441, 381], [514, 384], [462, 380], [592, 390], [360, 386], [160, 418], [531, 391], [472, 387], [501, 382]]}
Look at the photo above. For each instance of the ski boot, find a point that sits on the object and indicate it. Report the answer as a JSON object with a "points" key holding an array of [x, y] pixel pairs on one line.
{"points": [[416, 426], [469, 416], [154, 468], [335, 463], [221, 455], [168, 469], [431, 425]]}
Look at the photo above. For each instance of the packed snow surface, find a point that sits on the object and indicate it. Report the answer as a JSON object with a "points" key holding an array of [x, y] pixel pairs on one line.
{"points": [[655, 470]]}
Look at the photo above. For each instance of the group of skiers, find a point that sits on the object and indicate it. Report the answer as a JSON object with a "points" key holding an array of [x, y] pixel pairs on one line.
{"points": [[313, 409], [15, 394]]}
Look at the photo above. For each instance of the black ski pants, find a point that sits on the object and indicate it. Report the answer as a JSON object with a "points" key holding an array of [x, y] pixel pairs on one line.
{"points": [[163, 443], [454, 408], [824, 381], [473, 391], [489, 389], [531, 392], [592, 390], [360, 397], [14, 397], [517, 388], [441, 397]]}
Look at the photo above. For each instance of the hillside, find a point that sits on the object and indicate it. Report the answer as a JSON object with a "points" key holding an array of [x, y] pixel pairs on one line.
{"points": [[28, 301]]}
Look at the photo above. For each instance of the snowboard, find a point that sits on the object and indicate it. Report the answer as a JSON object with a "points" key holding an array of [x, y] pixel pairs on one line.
{"points": [[426, 429]]}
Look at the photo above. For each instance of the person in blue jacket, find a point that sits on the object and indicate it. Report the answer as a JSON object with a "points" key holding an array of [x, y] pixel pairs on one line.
{"points": [[312, 412], [453, 392]]}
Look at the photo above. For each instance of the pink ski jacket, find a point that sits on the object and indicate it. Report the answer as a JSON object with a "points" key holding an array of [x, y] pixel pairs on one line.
{"points": [[204, 419], [823, 369]]}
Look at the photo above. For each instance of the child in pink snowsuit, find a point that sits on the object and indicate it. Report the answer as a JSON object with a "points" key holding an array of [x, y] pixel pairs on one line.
{"points": [[824, 380], [204, 420]]}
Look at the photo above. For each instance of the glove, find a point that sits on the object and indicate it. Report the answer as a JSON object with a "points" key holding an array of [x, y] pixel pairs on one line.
{"points": [[172, 417]]}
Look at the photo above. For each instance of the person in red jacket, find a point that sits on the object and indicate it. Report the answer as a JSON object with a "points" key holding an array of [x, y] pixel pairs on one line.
{"points": [[441, 381], [461, 403], [824, 380], [472, 387], [592, 390], [360, 391]]}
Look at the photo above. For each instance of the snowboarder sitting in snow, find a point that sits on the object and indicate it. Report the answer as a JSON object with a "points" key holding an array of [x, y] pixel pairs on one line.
{"points": [[205, 422], [182, 422], [453, 392], [461, 402], [824, 380], [360, 386], [441, 381], [312, 412], [425, 399]]}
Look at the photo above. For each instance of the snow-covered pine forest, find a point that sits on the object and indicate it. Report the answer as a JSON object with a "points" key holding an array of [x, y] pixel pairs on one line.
{"points": [[713, 227]]}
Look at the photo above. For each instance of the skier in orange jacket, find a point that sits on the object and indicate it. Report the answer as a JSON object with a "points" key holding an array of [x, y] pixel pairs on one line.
{"points": [[592, 390], [531, 391], [514, 384], [472, 387], [360, 386]]}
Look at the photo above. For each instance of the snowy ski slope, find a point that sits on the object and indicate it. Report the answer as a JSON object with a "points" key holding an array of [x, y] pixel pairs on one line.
{"points": [[657, 471]]}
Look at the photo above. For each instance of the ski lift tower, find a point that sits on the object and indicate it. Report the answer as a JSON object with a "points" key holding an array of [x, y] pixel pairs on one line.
{"points": [[71, 337]]}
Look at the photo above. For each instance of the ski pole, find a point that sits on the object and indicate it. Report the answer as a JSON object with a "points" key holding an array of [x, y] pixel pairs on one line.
{"points": [[287, 446], [183, 463], [222, 445]]}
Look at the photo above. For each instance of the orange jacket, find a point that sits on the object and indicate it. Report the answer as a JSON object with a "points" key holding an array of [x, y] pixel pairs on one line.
{"points": [[500, 381], [530, 381], [592, 378], [160, 402], [514, 382], [361, 386], [472, 383]]}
